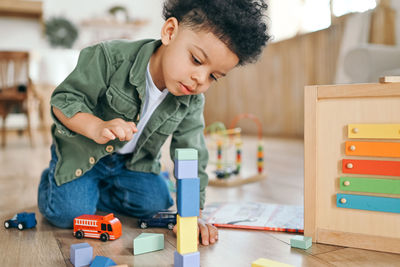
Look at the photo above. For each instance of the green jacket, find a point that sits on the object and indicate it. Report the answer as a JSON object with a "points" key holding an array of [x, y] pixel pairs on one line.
{"points": [[109, 82]]}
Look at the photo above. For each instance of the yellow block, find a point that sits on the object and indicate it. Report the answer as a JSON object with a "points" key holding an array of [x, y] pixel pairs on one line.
{"points": [[187, 235], [374, 131], [261, 262]]}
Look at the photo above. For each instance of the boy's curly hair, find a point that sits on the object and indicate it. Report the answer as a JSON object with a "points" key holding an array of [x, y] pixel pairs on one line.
{"points": [[238, 23]]}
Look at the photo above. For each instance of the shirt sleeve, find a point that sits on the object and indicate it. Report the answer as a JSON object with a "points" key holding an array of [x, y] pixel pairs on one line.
{"points": [[190, 134], [80, 91]]}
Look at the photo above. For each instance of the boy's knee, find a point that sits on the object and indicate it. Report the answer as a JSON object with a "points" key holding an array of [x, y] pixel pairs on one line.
{"points": [[65, 218], [63, 214]]}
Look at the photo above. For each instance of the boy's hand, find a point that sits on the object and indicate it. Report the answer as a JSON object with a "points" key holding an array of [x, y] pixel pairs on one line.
{"points": [[116, 128], [208, 233]]}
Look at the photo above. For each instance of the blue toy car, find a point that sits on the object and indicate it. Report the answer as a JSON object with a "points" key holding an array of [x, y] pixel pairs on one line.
{"points": [[23, 220], [160, 219]]}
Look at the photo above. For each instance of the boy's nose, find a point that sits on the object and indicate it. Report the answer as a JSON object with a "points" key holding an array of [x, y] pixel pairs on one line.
{"points": [[200, 78]]}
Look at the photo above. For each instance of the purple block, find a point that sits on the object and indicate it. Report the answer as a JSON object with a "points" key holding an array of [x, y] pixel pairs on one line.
{"points": [[186, 169], [81, 254], [187, 260], [188, 197], [101, 261]]}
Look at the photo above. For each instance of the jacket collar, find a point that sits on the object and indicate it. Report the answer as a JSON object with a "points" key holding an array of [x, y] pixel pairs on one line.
{"points": [[137, 74]]}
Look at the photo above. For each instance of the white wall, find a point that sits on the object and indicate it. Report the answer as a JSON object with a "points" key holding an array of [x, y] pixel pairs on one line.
{"points": [[20, 34], [27, 34]]}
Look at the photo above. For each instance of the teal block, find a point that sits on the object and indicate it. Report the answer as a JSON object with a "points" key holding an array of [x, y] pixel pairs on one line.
{"points": [[148, 242], [364, 202], [187, 260], [186, 154], [188, 197], [101, 261], [186, 169], [300, 241]]}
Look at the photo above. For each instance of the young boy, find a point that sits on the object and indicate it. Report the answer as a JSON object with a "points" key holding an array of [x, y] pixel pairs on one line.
{"points": [[115, 110]]}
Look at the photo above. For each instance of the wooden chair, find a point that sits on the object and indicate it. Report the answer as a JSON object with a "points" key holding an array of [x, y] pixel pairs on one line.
{"points": [[15, 89]]}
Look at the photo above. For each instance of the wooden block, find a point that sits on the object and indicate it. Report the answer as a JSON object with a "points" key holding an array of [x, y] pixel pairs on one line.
{"points": [[373, 149], [187, 234], [261, 262], [188, 197], [187, 260], [389, 79], [374, 131], [374, 167], [101, 261], [299, 241], [148, 242], [361, 202], [81, 254], [186, 169], [186, 154], [370, 185]]}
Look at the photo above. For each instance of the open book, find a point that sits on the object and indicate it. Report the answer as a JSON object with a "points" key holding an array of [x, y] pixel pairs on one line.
{"points": [[255, 215]]}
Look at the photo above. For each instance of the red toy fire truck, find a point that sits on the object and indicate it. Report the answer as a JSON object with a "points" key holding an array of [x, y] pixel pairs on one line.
{"points": [[103, 227]]}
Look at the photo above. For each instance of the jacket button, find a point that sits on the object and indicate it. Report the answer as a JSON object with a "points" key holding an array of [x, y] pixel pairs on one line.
{"points": [[138, 117], [92, 160], [78, 172], [109, 149]]}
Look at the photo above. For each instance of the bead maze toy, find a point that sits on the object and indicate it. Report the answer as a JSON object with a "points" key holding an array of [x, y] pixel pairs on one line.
{"points": [[231, 174], [352, 165]]}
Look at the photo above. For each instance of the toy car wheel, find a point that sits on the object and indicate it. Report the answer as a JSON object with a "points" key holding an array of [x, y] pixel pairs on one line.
{"points": [[6, 224], [104, 237], [143, 225], [170, 226], [20, 226], [79, 234]]}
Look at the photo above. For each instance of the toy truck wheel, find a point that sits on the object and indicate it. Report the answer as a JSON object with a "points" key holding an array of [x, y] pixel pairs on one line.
{"points": [[143, 225], [170, 226], [104, 237], [6, 224], [79, 234], [20, 226]]}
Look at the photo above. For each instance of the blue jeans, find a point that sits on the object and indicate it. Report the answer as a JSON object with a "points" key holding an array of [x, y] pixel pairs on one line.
{"points": [[108, 186]]}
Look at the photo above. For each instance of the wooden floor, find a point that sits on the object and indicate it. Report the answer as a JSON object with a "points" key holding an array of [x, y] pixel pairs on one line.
{"points": [[48, 246]]}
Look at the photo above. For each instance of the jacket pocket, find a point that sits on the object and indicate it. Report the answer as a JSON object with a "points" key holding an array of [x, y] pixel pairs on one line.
{"points": [[122, 104], [169, 126]]}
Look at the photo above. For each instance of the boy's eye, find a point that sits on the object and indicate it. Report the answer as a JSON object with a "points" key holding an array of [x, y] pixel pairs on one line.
{"points": [[195, 60], [213, 77]]}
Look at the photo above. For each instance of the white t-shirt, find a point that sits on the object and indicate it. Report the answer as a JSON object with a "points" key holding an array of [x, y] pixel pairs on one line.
{"points": [[154, 97]]}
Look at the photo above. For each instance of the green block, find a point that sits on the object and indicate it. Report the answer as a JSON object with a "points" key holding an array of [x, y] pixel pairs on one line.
{"points": [[148, 242], [370, 185], [186, 154], [300, 241]]}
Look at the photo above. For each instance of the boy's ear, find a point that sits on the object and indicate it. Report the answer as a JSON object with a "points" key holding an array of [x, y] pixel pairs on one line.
{"points": [[169, 30]]}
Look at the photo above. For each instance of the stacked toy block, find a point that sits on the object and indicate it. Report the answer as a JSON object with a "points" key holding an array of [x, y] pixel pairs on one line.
{"points": [[188, 203]]}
